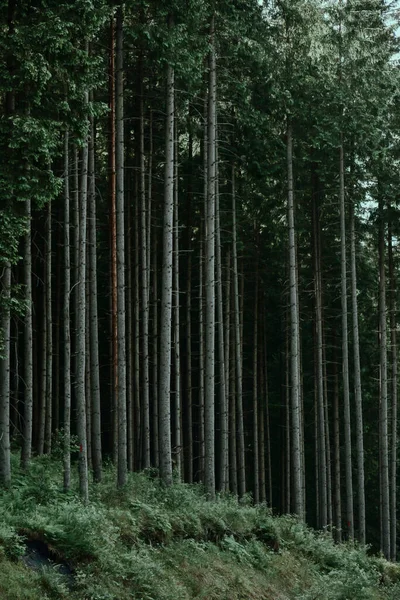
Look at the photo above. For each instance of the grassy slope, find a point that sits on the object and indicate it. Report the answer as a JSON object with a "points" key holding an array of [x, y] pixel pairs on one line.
{"points": [[149, 543]]}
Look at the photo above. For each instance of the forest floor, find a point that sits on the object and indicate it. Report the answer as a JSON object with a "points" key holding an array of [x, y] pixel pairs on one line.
{"points": [[150, 543]]}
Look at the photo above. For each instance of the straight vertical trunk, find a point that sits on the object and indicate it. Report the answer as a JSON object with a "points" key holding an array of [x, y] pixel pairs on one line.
{"points": [[113, 243], [66, 322], [223, 466], [145, 296], [5, 454], [176, 301], [201, 359], [394, 383], [81, 329], [93, 322], [267, 419], [255, 387], [28, 344], [357, 386], [345, 353], [209, 272], [166, 293], [319, 374], [49, 332], [298, 500], [383, 391], [120, 227], [238, 351], [336, 448]]}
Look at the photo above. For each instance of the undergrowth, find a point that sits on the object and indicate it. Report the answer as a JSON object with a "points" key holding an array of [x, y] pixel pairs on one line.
{"points": [[147, 542]]}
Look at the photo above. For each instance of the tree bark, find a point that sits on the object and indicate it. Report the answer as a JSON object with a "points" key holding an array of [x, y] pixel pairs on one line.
{"points": [[66, 322], [345, 352], [166, 293], [94, 326], [223, 466], [394, 383], [383, 391], [209, 272], [357, 386], [5, 453], [298, 498], [28, 344], [241, 476], [120, 227]]}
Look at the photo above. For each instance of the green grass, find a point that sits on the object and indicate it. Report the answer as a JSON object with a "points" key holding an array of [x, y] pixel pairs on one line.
{"points": [[146, 542]]}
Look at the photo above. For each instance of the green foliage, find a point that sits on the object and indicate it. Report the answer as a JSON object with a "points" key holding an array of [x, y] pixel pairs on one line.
{"points": [[148, 542]]}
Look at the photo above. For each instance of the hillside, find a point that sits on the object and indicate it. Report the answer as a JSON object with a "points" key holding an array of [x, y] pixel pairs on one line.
{"points": [[151, 543]]}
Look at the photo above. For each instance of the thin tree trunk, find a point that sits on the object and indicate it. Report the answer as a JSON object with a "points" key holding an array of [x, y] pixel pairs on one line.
{"points": [[5, 453], [201, 359], [233, 471], [394, 383], [120, 226], [336, 448], [383, 392], [298, 499], [188, 431], [145, 296], [209, 272], [43, 378], [113, 244], [319, 373], [255, 385], [49, 331], [357, 386], [166, 294], [223, 472], [238, 350], [155, 355], [267, 419], [93, 322], [138, 437], [176, 336], [66, 322], [81, 329], [28, 344], [345, 354]]}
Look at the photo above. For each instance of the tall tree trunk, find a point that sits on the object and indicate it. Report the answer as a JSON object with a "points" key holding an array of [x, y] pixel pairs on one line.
{"points": [[81, 329], [394, 383], [120, 227], [201, 359], [336, 447], [223, 466], [93, 324], [298, 499], [357, 385], [319, 373], [188, 430], [43, 374], [209, 413], [145, 295], [255, 383], [113, 243], [345, 351], [267, 419], [138, 435], [28, 344], [238, 350], [176, 336], [166, 293], [154, 306], [5, 454], [66, 322], [49, 331], [383, 393]]}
